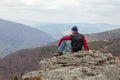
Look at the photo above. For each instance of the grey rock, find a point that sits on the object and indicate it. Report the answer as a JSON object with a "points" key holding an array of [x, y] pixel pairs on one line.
{"points": [[81, 66]]}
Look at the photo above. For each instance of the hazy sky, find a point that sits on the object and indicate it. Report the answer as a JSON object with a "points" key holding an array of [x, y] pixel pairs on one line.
{"points": [[92, 11]]}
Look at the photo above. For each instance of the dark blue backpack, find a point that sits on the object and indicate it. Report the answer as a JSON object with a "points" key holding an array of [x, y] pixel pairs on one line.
{"points": [[77, 42]]}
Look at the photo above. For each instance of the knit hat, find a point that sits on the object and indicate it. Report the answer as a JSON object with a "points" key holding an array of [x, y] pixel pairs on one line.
{"points": [[74, 28]]}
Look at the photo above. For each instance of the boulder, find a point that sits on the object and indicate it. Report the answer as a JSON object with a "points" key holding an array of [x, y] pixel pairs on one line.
{"points": [[81, 66]]}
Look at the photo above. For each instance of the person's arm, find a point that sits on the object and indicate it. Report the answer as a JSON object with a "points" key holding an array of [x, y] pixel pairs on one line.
{"points": [[85, 44], [64, 38]]}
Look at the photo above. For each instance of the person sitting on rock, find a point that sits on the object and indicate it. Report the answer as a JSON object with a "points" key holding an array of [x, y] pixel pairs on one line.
{"points": [[72, 43]]}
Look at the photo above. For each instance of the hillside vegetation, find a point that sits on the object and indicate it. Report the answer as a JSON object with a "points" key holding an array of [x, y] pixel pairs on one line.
{"points": [[107, 46], [23, 61], [112, 34]]}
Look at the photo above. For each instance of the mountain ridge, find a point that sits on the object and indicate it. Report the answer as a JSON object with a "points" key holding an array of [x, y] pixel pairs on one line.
{"points": [[15, 36], [85, 28], [111, 34]]}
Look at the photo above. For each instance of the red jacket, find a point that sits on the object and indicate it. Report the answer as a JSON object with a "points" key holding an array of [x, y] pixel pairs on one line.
{"points": [[69, 38]]}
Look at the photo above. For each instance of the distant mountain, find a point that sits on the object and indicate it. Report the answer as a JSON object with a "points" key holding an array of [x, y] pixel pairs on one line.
{"points": [[107, 35], [15, 36], [58, 30], [112, 34]]}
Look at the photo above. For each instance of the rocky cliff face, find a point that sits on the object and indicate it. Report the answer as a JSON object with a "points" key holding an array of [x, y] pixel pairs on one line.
{"points": [[79, 66]]}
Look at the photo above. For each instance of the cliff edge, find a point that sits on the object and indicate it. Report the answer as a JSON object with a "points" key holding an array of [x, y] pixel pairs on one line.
{"points": [[79, 66]]}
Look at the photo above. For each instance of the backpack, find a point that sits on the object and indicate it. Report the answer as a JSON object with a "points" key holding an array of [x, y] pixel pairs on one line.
{"points": [[76, 42]]}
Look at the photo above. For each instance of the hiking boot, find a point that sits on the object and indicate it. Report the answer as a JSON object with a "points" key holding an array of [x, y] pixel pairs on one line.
{"points": [[59, 54]]}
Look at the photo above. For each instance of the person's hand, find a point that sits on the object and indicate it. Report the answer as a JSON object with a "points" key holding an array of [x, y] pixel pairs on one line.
{"points": [[90, 51]]}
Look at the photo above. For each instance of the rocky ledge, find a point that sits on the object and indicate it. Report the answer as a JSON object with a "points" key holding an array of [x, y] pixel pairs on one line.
{"points": [[80, 66]]}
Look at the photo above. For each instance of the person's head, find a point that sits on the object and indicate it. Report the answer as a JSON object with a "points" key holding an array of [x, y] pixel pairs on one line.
{"points": [[74, 29]]}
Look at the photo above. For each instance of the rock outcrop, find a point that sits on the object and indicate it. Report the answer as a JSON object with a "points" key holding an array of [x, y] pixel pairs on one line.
{"points": [[80, 66]]}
